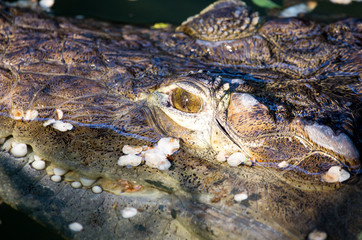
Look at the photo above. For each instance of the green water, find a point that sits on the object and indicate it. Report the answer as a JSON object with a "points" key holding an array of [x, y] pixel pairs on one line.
{"points": [[176, 11]]}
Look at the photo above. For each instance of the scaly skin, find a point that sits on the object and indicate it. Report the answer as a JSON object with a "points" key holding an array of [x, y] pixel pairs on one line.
{"points": [[106, 79]]}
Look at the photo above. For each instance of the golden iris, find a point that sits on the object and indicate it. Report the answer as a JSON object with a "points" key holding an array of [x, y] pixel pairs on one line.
{"points": [[185, 101]]}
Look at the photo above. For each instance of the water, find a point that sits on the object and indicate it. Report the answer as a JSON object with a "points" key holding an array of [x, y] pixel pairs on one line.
{"points": [[176, 11]]}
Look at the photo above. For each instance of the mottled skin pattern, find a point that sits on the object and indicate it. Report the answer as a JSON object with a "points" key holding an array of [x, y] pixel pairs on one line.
{"points": [[103, 76]]}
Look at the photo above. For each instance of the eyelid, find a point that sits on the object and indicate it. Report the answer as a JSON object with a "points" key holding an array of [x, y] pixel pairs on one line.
{"points": [[192, 88]]}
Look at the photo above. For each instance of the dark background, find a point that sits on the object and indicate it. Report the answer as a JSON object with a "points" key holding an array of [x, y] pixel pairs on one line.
{"points": [[176, 11]]}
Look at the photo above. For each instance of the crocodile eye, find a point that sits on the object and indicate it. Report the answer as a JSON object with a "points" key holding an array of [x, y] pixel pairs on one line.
{"points": [[185, 101]]}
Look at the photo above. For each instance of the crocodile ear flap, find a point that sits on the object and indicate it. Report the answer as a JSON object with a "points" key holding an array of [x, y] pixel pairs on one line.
{"points": [[222, 20]]}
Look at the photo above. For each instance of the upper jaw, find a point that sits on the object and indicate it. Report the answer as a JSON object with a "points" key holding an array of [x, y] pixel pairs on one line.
{"points": [[243, 124]]}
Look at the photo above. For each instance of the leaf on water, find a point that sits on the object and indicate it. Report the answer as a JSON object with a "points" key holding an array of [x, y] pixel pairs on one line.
{"points": [[266, 4], [160, 26]]}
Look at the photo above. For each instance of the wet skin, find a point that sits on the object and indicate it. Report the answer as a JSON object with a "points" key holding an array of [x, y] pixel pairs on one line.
{"points": [[121, 85]]}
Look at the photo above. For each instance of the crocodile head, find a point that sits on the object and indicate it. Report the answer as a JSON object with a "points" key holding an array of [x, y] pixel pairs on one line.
{"points": [[232, 118], [253, 114], [232, 121]]}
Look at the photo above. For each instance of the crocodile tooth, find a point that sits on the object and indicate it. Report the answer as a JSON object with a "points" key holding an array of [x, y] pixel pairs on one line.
{"points": [[75, 227], [255, 19], [128, 212], [156, 159], [335, 174], [240, 197], [62, 126], [317, 235], [56, 178], [59, 171], [38, 165], [31, 115], [58, 114], [87, 182], [48, 122], [129, 160], [164, 165], [18, 149], [128, 149], [168, 145], [46, 4], [37, 158], [236, 159], [221, 156], [283, 164], [17, 114], [97, 189], [76, 184]]}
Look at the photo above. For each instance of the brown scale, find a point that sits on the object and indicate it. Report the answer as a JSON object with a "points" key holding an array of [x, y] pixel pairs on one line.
{"points": [[106, 84]]}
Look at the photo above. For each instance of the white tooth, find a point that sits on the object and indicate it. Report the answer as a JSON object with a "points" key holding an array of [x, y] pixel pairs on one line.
{"points": [[18, 149], [317, 235], [86, 181], [59, 171], [62, 126], [38, 164], [168, 145], [240, 197], [255, 20], [59, 114], [56, 178], [75, 227], [128, 212], [156, 159], [37, 158], [76, 184], [46, 3], [129, 160], [17, 114], [31, 115], [335, 174], [48, 122], [344, 175], [236, 159], [221, 157], [97, 189], [164, 165], [283, 164], [128, 149]]}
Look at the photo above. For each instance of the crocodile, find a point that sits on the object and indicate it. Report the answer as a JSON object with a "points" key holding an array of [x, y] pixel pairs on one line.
{"points": [[262, 118]]}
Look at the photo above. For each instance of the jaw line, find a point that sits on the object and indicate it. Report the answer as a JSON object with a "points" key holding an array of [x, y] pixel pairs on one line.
{"points": [[227, 132]]}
